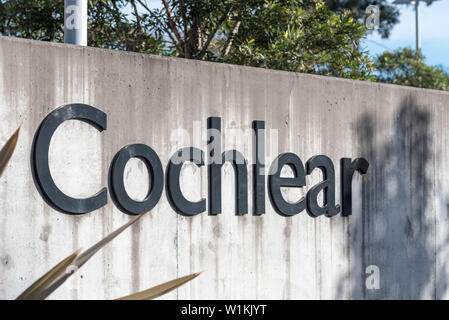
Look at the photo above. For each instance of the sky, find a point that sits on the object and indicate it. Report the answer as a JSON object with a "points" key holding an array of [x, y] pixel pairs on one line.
{"points": [[434, 33]]}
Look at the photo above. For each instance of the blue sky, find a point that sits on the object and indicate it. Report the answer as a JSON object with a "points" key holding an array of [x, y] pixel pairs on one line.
{"points": [[434, 29]]}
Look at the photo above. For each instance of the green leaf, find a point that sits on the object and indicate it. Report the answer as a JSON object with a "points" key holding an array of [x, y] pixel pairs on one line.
{"points": [[7, 151], [160, 289], [37, 288], [78, 262]]}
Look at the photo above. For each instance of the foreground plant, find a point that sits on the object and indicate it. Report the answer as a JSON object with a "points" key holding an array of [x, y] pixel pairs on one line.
{"points": [[54, 278], [7, 151], [160, 289]]}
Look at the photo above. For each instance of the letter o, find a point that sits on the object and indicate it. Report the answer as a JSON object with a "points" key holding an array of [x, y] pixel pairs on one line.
{"points": [[117, 187]]}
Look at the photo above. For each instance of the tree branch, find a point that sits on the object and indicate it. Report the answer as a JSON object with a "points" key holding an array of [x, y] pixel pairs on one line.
{"points": [[136, 14], [117, 18], [212, 34], [152, 14], [184, 20], [228, 45], [171, 22]]}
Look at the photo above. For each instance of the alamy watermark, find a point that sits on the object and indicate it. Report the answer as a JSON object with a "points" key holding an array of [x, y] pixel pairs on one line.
{"points": [[372, 282], [236, 139], [73, 17], [372, 17]]}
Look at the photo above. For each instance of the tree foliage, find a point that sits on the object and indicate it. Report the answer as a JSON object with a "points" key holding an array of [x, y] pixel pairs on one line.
{"points": [[109, 25], [389, 13], [300, 36], [32, 19], [294, 35], [407, 67]]}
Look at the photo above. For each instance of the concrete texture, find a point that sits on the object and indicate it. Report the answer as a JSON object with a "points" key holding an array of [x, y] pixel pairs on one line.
{"points": [[400, 218]]}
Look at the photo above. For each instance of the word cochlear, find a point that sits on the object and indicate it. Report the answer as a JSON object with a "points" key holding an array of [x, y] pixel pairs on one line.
{"points": [[215, 160]]}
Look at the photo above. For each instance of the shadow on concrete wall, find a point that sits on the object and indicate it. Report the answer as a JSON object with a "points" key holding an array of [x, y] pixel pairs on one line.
{"points": [[394, 227]]}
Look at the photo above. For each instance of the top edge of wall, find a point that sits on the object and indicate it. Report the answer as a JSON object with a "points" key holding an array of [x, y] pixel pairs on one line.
{"points": [[37, 43]]}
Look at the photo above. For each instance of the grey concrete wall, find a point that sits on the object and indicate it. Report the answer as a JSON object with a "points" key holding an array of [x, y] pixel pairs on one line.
{"points": [[400, 220]]}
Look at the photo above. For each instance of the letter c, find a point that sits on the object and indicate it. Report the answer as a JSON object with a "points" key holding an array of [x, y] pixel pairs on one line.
{"points": [[174, 194], [39, 159]]}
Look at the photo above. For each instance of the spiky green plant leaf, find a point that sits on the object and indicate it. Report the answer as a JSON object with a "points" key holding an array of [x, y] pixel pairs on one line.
{"points": [[7, 150], [160, 289], [36, 289], [49, 287]]}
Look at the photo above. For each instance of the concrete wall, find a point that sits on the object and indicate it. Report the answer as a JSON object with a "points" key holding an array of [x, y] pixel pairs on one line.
{"points": [[400, 219]]}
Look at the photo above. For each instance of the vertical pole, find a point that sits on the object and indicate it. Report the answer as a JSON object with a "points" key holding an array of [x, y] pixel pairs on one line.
{"points": [[417, 23], [75, 22]]}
